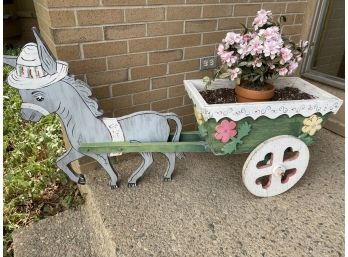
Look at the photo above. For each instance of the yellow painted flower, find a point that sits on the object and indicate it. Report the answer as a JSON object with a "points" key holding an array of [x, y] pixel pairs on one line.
{"points": [[312, 124], [199, 116]]}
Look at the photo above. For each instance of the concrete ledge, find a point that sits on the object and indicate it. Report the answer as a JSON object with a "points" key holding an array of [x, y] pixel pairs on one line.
{"points": [[67, 234]]}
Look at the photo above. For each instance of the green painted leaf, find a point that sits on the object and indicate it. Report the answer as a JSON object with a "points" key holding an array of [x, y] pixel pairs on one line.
{"points": [[243, 130], [230, 147], [307, 139], [203, 130]]}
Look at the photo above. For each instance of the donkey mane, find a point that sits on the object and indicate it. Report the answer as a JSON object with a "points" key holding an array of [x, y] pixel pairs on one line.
{"points": [[85, 92]]}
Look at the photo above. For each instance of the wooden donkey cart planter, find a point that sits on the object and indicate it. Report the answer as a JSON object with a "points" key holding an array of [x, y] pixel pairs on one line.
{"points": [[275, 134]]}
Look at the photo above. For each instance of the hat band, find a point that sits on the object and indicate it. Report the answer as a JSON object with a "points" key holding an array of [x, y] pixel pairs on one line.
{"points": [[32, 72]]}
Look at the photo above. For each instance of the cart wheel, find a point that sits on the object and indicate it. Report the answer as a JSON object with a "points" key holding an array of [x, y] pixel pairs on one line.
{"points": [[275, 166]]}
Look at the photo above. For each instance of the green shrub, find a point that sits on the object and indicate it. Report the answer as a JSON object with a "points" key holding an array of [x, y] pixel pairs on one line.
{"points": [[33, 186]]}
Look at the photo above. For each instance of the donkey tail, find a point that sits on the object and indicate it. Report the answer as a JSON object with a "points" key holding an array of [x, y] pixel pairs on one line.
{"points": [[176, 137]]}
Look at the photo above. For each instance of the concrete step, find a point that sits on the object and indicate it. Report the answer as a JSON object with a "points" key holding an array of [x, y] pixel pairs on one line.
{"points": [[70, 233], [206, 210]]}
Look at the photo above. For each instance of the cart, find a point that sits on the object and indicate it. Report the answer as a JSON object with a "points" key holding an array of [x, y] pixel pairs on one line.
{"points": [[276, 134]]}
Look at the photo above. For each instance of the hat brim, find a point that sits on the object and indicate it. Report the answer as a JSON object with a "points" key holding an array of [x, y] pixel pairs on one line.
{"points": [[34, 83]]}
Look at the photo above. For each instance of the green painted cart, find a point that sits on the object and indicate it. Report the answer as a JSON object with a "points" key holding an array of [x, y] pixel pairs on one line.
{"points": [[276, 134]]}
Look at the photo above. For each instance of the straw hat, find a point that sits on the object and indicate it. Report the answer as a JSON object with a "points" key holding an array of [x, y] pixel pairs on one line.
{"points": [[29, 72]]}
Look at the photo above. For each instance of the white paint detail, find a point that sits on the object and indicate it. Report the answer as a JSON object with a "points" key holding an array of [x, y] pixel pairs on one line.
{"points": [[277, 167], [323, 103], [35, 108], [115, 131]]}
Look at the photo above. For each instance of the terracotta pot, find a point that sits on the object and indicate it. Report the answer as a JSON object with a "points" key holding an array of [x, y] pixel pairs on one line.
{"points": [[244, 94]]}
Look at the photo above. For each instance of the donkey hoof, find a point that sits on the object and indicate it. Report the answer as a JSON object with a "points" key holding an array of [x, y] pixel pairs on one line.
{"points": [[132, 184], [113, 186], [167, 179], [82, 179]]}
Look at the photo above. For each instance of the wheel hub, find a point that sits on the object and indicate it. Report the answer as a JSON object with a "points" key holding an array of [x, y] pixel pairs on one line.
{"points": [[279, 170]]}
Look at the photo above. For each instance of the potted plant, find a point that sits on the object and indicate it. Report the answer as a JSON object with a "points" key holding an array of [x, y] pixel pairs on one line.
{"points": [[256, 56]]}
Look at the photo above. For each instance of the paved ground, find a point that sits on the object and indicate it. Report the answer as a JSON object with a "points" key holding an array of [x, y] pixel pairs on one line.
{"points": [[206, 210]]}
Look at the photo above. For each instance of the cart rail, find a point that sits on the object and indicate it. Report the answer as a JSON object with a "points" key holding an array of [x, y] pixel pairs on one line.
{"points": [[189, 142]]}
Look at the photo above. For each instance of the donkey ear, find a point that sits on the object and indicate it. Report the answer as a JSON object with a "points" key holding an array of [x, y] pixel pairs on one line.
{"points": [[10, 60], [48, 60]]}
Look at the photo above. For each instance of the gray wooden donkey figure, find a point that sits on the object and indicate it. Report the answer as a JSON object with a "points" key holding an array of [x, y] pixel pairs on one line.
{"points": [[45, 87]]}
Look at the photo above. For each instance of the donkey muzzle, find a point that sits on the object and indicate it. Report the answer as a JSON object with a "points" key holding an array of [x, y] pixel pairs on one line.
{"points": [[32, 112]]}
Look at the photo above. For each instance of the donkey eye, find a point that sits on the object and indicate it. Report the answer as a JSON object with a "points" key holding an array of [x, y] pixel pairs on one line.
{"points": [[39, 98]]}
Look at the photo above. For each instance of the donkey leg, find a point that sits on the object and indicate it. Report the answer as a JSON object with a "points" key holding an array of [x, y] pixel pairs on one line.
{"points": [[65, 159], [104, 161], [132, 181], [171, 166]]}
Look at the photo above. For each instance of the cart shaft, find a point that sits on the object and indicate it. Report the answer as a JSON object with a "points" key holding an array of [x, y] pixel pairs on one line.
{"points": [[189, 142]]}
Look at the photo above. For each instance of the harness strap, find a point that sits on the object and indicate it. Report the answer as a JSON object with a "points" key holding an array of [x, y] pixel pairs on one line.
{"points": [[115, 131]]}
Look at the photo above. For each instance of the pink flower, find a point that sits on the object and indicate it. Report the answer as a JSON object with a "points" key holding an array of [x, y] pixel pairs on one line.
{"points": [[282, 71], [272, 48], [292, 67], [234, 73], [257, 62], [243, 50], [221, 49], [232, 38], [255, 46], [225, 130], [261, 18], [271, 33], [247, 37], [285, 54], [229, 58], [271, 66]]}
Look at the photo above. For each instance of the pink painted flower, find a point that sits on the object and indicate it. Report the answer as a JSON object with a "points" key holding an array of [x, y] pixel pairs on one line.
{"points": [[225, 130], [292, 67], [285, 54], [232, 38], [234, 73], [282, 71]]}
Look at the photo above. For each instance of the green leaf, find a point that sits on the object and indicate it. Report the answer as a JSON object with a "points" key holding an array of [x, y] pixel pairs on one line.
{"points": [[242, 64], [224, 75]]}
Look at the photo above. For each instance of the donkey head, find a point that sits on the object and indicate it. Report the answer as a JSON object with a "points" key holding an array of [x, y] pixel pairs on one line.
{"points": [[36, 75]]}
